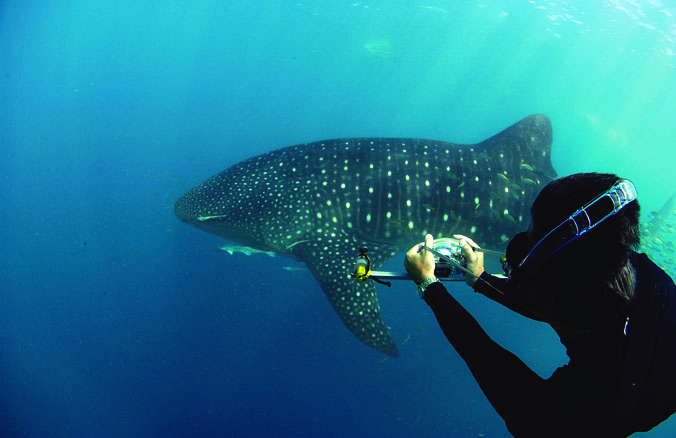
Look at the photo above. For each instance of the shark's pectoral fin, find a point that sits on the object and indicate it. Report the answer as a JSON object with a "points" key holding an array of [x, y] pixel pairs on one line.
{"points": [[330, 259]]}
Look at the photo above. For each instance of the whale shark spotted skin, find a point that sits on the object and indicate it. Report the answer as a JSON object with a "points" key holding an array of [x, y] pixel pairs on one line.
{"points": [[322, 201]]}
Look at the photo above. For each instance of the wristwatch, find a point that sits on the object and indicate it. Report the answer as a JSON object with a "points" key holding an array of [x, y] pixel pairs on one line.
{"points": [[423, 286]]}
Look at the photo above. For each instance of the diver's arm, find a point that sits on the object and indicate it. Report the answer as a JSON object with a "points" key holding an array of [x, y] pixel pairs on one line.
{"points": [[493, 286], [497, 288], [515, 391]]}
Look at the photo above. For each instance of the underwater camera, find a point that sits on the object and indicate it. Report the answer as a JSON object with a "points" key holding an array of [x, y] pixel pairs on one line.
{"points": [[449, 260], [450, 264]]}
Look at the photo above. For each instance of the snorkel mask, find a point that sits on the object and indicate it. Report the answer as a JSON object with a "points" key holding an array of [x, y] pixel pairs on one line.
{"points": [[581, 221]]}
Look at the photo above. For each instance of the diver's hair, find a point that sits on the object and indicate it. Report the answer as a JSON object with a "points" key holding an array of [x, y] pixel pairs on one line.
{"points": [[596, 265], [623, 283]]}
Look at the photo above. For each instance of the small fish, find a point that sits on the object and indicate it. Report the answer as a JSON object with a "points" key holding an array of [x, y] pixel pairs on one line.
{"points": [[232, 249], [528, 181], [397, 224], [526, 167], [208, 218], [503, 176], [294, 268], [408, 337], [291, 245], [510, 218]]}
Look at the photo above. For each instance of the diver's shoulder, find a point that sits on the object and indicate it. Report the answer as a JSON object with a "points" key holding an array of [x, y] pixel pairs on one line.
{"points": [[644, 266]]}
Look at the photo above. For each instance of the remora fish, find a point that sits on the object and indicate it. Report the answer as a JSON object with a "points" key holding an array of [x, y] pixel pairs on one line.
{"points": [[322, 201], [246, 250]]}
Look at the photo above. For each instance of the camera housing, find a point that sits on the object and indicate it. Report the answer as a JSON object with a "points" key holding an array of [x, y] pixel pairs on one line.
{"points": [[446, 267]]}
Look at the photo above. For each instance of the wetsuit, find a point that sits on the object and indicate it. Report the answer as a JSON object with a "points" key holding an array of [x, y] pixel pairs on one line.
{"points": [[609, 388]]}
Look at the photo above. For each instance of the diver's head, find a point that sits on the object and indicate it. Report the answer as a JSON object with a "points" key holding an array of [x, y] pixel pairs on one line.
{"points": [[582, 274]]}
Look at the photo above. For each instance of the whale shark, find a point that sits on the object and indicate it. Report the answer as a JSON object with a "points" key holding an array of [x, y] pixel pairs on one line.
{"points": [[321, 202]]}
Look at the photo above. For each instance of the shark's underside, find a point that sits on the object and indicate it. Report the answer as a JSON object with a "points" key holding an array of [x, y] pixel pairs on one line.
{"points": [[323, 201]]}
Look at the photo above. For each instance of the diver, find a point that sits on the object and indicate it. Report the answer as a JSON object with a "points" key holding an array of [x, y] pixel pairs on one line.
{"points": [[614, 310]]}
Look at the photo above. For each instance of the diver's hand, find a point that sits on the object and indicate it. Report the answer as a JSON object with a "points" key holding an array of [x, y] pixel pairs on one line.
{"points": [[475, 259], [419, 263]]}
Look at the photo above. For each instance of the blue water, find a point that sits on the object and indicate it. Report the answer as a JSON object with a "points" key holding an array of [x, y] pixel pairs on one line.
{"points": [[116, 320]]}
